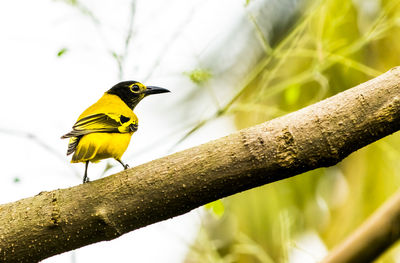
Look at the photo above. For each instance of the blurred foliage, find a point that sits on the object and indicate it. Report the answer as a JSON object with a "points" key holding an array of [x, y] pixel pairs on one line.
{"points": [[199, 76], [82, 8], [217, 208], [62, 52], [334, 46]]}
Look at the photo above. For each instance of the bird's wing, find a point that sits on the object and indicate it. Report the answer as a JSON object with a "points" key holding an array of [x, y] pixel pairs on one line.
{"points": [[103, 122]]}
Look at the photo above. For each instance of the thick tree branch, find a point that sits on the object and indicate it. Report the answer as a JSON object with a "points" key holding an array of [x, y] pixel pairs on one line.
{"points": [[320, 135], [374, 236]]}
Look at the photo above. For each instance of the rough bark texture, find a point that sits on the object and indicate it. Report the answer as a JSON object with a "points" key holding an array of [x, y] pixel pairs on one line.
{"points": [[373, 237], [320, 135]]}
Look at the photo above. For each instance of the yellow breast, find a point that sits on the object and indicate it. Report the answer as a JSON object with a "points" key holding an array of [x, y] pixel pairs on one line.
{"points": [[96, 146]]}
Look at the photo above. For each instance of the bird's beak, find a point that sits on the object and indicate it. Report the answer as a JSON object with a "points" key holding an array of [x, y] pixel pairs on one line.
{"points": [[154, 90]]}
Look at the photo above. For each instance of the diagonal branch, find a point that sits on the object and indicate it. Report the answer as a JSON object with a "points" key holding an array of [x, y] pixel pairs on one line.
{"points": [[320, 135], [380, 231]]}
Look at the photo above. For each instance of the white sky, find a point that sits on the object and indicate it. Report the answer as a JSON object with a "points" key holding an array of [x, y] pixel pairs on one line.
{"points": [[43, 95]]}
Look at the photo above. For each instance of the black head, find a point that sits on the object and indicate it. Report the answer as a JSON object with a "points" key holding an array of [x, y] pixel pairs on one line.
{"points": [[132, 92]]}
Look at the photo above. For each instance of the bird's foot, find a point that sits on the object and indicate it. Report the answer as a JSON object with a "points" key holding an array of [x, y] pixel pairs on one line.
{"points": [[126, 166], [86, 179]]}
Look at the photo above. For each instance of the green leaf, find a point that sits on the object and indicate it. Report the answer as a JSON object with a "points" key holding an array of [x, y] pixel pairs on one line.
{"points": [[199, 76], [62, 52], [216, 207]]}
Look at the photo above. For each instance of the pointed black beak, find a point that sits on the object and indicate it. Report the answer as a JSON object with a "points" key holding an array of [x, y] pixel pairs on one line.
{"points": [[154, 90]]}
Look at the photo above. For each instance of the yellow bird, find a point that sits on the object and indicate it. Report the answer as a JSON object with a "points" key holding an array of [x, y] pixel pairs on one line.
{"points": [[104, 129]]}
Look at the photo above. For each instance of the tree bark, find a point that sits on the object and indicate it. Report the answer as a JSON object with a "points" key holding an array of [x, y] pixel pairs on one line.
{"points": [[320, 135]]}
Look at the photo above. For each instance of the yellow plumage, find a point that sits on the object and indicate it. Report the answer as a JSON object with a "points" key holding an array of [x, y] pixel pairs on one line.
{"points": [[104, 129], [96, 146]]}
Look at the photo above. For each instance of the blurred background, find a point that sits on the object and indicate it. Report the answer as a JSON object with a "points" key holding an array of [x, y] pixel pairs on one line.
{"points": [[229, 65]]}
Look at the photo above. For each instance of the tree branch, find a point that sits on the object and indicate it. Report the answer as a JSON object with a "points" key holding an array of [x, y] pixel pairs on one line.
{"points": [[374, 236], [320, 135]]}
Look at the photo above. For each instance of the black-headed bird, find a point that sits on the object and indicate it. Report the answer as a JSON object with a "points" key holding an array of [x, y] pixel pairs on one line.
{"points": [[104, 129]]}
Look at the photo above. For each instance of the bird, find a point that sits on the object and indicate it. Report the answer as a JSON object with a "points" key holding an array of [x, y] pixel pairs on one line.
{"points": [[104, 129]]}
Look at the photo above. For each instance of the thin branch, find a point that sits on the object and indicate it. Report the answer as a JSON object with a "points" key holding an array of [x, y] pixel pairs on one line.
{"points": [[121, 59], [320, 135], [380, 231], [130, 27], [83, 9], [169, 43], [34, 138], [283, 51]]}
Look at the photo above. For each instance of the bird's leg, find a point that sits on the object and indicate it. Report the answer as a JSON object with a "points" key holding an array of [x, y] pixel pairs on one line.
{"points": [[85, 177], [126, 166]]}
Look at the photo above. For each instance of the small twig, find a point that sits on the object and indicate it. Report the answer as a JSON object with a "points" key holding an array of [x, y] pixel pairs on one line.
{"points": [[83, 9], [169, 44], [302, 77], [122, 58], [380, 231], [41, 143]]}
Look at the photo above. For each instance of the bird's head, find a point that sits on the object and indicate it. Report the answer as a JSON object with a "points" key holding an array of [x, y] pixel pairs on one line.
{"points": [[132, 92]]}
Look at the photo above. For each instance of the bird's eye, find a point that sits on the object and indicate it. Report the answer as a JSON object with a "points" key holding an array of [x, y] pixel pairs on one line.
{"points": [[135, 88]]}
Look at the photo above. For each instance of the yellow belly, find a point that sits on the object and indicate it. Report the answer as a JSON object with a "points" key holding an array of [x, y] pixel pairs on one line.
{"points": [[97, 146]]}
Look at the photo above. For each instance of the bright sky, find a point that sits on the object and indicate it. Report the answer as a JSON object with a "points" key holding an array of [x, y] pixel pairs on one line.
{"points": [[42, 94]]}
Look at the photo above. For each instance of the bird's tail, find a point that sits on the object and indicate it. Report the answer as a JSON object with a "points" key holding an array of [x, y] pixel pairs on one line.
{"points": [[73, 142]]}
